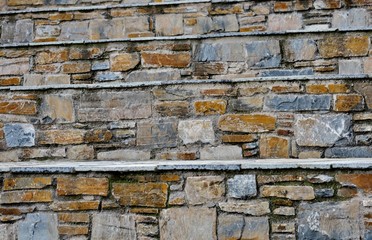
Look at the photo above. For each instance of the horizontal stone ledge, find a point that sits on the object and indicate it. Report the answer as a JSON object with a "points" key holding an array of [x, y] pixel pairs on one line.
{"points": [[183, 37], [153, 166], [187, 82]]}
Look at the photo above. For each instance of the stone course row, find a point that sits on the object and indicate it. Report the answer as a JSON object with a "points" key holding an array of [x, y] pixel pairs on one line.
{"points": [[186, 205]]}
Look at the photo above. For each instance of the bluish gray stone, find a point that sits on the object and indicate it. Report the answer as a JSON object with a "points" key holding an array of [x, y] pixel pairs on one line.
{"points": [[19, 135], [206, 52], [256, 228], [368, 235], [100, 65], [276, 73], [299, 49], [329, 220], [349, 152], [24, 31], [242, 186], [40, 226], [353, 18], [226, 23], [230, 226], [7, 31], [318, 130], [108, 76], [364, 139], [324, 193], [263, 54], [292, 102], [228, 52], [157, 134]]}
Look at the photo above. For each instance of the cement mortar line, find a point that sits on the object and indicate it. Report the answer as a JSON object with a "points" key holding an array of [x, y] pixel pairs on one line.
{"points": [[206, 165], [186, 82], [183, 37], [103, 7]]}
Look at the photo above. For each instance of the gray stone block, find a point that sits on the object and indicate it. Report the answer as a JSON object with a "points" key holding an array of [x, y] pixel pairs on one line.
{"points": [[108, 76], [277, 73], [324, 193], [263, 54], [19, 135], [153, 75], [113, 226], [242, 186], [230, 226], [297, 102], [8, 232], [256, 228], [353, 18], [41, 226], [349, 152], [24, 31]]}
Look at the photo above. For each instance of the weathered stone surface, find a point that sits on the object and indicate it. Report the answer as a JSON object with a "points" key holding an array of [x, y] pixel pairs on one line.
{"points": [[124, 155], [164, 28], [74, 205], [327, 4], [124, 61], [24, 31], [10, 81], [177, 198], [263, 179], [210, 107], [73, 230], [227, 52], [230, 226], [19, 135], [20, 107], [348, 103], [191, 131], [73, 217], [63, 137], [82, 186], [26, 183], [41, 226], [348, 152], [153, 75], [297, 102], [172, 108], [310, 154], [246, 123], [256, 228], [205, 189], [30, 196], [349, 67], [114, 106], [59, 108], [288, 227], [353, 18], [20, 2], [255, 208], [284, 22], [263, 54], [157, 134], [299, 50], [74, 30], [113, 226], [323, 220], [362, 181], [290, 192], [242, 186], [285, 211], [141, 194], [286, 72], [8, 231], [16, 66], [366, 90], [239, 138], [223, 152], [53, 56], [177, 60], [324, 193], [76, 67], [309, 129], [319, 178], [343, 46], [80, 152], [246, 104], [274, 147], [188, 223]]}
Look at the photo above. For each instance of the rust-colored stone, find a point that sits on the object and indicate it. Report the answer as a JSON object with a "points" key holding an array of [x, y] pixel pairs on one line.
{"points": [[46, 68], [338, 88], [177, 60], [75, 206], [73, 217], [99, 135], [346, 103], [226, 9], [26, 196], [347, 192], [11, 81], [76, 67], [52, 57], [85, 53], [22, 2], [287, 89], [253, 28], [274, 147], [356, 45], [124, 61], [15, 211], [61, 16], [246, 123], [82, 186], [239, 138], [213, 68], [282, 6], [63, 137], [363, 181], [144, 210], [172, 108], [73, 230], [219, 92], [18, 107], [316, 88], [26, 183], [210, 107], [141, 194]]}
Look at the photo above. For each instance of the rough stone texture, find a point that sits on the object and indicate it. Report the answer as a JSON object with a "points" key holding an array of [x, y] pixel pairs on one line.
{"points": [[196, 131], [188, 223], [350, 67], [242, 186], [124, 61], [113, 226], [297, 103], [30, 196], [255, 208], [82, 186], [300, 50], [210, 107], [8, 231], [256, 228], [59, 108], [366, 90], [19, 135], [348, 152], [246, 123], [15, 66], [362, 181], [26, 183], [284, 22], [223, 152], [127, 154], [80, 152], [169, 25], [200, 190], [153, 75], [274, 147], [157, 134], [176, 60], [41, 226], [230, 226], [290, 192], [263, 54], [323, 220], [348, 103], [309, 129]]}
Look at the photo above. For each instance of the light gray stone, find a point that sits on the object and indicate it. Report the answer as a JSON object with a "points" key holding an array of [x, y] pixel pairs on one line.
{"points": [[353, 18], [223, 152], [108, 76], [230, 226], [32, 153], [157, 134], [299, 50], [226, 23], [113, 226], [188, 223], [207, 52], [255, 208], [80, 152], [319, 178], [7, 31], [169, 24], [125, 154], [263, 54], [153, 75], [41, 226], [323, 220], [284, 211], [14, 66], [349, 152], [242, 186], [19, 135], [229, 52], [47, 31], [256, 228], [206, 189], [293, 102], [24, 31], [349, 67], [286, 227], [284, 22], [8, 232], [72, 30], [192, 131], [309, 129]]}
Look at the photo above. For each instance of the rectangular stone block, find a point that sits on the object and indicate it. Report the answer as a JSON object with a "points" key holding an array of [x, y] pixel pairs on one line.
{"points": [[38, 226], [113, 226], [223, 152], [290, 192], [284, 22], [82, 186], [163, 28], [63, 137], [29, 196], [263, 54], [246, 123], [255, 208], [205, 189], [297, 102], [18, 107], [157, 134], [73, 230], [19, 135], [176, 60], [15, 66], [124, 155], [141, 194], [26, 183], [75, 205], [73, 218]]}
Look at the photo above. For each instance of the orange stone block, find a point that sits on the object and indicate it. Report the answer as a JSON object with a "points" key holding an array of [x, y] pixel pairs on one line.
{"points": [[210, 107], [274, 147], [26, 196], [346, 103], [52, 57], [363, 181], [75, 206], [255, 28], [76, 67], [73, 217], [61, 17], [356, 45], [238, 138], [338, 88], [61, 137], [26, 183], [124, 62], [12, 81], [250, 123], [170, 178], [316, 89], [82, 186], [18, 107], [99, 135], [177, 60]]}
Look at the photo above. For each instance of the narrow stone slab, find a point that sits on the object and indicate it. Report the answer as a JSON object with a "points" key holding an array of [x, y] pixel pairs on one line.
{"points": [[297, 103], [255, 208], [290, 192]]}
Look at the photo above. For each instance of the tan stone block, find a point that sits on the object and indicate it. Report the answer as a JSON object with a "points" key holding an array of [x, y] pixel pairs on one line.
{"points": [[239, 138], [124, 61], [76, 67], [290, 192], [367, 66], [274, 147], [54, 56], [362, 181], [75, 206], [317, 88], [59, 108], [310, 154], [46, 68], [80, 152], [347, 192], [263, 179], [346, 103], [177, 60], [63, 137], [255, 208], [73, 218], [61, 16], [73, 230], [210, 107], [356, 45], [246, 123], [169, 24], [226, 9], [327, 4], [204, 189], [287, 88], [253, 28], [22, 2], [29, 196], [14, 66], [144, 210], [26, 183], [98, 135], [338, 88], [141, 194], [82, 186]]}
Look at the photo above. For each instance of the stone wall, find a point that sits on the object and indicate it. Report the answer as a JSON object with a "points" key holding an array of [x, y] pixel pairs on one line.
{"points": [[229, 201]]}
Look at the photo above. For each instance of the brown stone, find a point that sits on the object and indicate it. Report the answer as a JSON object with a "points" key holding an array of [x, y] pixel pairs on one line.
{"points": [[59, 107], [61, 16], [46, 68], [85, 53], [347, 192], [80, 152], [239, 138], [141, 194], [226, 9], [344, 47], [82, 186], [63, 137], [365, 88], [26, 183], [144, 210], [253, 28], [287, 89], [327, 4], [338, 88], [347, 103], [331, 47], [282, 6], [205, 69], [75, 206], [16, 210], [76, 67], [177, 60], [172, 108], [97, 136], [316, 88], [263, 179], [170, 178], [73, 230], [274, 147], [21, 2], [219, 92], [26, 196], [282, 202], [363, 181], [210, 107], [124, 61], [11, 81], [54, 56], [290, 192], [356, 45], [73, 217], [18, 107], [246, 123]]}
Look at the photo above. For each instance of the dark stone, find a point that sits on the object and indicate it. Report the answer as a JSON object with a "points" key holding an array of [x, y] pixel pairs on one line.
{"points": [[157, 134], [324, 193], [297, 102], [349, 152], [282, 73], [206, 52]]}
